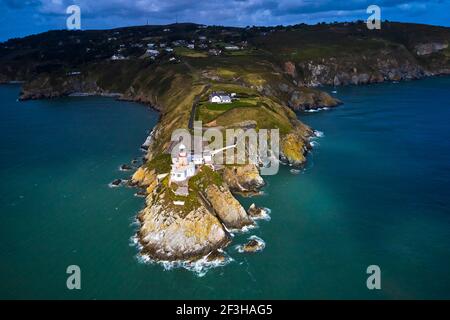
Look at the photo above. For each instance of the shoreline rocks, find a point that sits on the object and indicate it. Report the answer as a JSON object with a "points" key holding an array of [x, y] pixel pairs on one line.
{"points": [[227, 208], [256, 212], [243, 179], [254, 244], [169, 234]]}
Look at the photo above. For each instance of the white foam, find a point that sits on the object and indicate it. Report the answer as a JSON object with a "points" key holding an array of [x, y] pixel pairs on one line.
{"points": [[199, 267], [314, 144], [244, 229], [318, 109], [111, 185], [318, 134], [260, 241], [265, 215]]}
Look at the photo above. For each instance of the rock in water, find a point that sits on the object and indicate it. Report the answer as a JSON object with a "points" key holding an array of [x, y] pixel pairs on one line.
{"points": [[216, 256], [256, 212], [116, 183], [254, 244], [227, 208], [125, 167]]}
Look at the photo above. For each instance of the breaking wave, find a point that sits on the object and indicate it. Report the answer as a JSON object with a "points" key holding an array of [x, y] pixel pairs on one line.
{"points": [[261, 243], [199, 267]]}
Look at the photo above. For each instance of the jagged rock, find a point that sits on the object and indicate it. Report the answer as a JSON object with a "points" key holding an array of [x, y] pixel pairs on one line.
{"points": [[290, 69], [423, 49], [243, 178], [256, 212], [294, 145], [116, 182], [227, 208], [125, 167], [305, 99], [143, 177], [216, 256], [254, 244], [170, 233]]}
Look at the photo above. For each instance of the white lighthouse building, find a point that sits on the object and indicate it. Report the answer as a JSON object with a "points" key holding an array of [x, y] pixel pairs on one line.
{"points": [[182, 166]]}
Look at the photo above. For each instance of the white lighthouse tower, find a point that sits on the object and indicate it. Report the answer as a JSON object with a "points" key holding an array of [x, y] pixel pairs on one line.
{"points": [[182, 166]]}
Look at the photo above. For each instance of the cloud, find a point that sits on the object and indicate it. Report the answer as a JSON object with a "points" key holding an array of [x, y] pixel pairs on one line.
{"points": [[50, 14]]}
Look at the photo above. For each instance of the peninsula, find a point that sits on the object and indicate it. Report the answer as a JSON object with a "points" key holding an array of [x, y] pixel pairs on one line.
{"points": [[226, 77]]}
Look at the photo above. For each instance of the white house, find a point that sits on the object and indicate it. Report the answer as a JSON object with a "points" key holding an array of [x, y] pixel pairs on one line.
{"points": [[191, 46], [118, 57], [232, 48], [152, 52], [219, 98]]}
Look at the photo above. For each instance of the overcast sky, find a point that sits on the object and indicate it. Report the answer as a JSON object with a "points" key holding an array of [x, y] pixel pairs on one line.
{"points": [[23, 17]]}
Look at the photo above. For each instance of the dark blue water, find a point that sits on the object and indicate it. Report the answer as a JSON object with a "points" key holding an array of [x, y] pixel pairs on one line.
{"points": [[375, 191]]}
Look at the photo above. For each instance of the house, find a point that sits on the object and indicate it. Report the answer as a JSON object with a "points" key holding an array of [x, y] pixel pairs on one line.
{"points": [[73, 73], [118, 57], [191, 46], [232, 48], [152, 52], [214, 52], [169, 50], [219, 98]]}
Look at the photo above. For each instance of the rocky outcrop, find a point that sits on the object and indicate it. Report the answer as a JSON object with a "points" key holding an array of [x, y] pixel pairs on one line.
{"points": [[143, 177], [254, 244], [227, 208], [295, 145], [171, 233], [256, 212], [424, 49], [307, 99], [244, 178]]}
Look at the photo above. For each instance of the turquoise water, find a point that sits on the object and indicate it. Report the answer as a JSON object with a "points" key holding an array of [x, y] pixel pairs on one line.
{"points": [[375, 191]]}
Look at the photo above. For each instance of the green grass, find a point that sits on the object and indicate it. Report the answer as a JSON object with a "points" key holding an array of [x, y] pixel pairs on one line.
{"points": [[186, 52], [204, 178], [161, 163]]}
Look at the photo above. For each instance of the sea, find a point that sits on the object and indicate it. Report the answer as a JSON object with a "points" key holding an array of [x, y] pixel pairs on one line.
{"points": [[374, 192]]}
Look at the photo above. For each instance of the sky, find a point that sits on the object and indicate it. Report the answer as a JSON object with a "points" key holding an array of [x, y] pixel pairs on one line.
{"points": [[24, 17]]}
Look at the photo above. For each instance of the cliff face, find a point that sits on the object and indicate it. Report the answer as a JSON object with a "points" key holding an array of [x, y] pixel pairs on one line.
{"points": [[227, 208], [243, 178], [167, 233]]}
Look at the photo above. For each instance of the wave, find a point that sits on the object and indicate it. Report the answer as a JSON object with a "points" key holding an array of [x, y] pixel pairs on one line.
{"points": [[265, 215], [261, 243], [244, 229], [199, 267], [318, 134], [317, 110]]}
